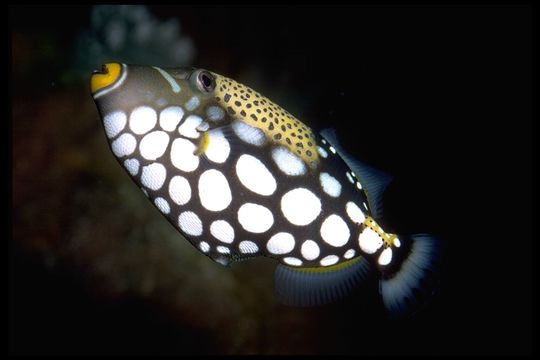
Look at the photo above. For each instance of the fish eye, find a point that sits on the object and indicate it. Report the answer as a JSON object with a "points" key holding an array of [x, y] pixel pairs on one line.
{"points": [[206, 82]]}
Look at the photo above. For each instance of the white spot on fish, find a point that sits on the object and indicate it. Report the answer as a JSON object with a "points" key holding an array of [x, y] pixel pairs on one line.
{"points": [[329, 260], [154, 144], [355, 213], [300, 206], [162, 205], [223, 250], [170, 117], [218, 147], [334, 231], [179, 190], [182, 155], [292, 261], [222, 231], [329, 184], [369, 241], [142, 120], [386, 257], [255, 176], [310, 250], [189, 127], [280, 243], [132, 166], [204, 246], [124, 145], [153, 176], [190, 223], [193, 103], [215, 113], [255, 218], [248, 247], [288, 162], [248, 134], [214, 190], [322, 152], [114, 123]]}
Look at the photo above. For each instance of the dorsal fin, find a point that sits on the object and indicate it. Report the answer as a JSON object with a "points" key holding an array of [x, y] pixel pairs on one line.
{"points": [[318, 286], [373, 180]]}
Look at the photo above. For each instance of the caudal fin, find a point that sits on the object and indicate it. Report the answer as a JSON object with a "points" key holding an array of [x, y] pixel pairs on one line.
{"points": [[412, 283]]}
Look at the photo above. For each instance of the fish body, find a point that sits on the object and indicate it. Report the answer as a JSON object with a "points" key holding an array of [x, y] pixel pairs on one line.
{"points": [[239, 177]]}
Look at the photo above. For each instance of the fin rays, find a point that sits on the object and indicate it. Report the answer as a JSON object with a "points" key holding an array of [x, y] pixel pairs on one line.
{"points": [[375, 181], [319, 286], [410, 288]]}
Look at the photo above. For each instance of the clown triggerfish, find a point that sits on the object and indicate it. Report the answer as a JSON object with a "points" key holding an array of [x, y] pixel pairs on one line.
{"points": [[240, 177]]}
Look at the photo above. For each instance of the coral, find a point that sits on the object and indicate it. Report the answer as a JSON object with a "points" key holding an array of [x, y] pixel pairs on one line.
{"points": [[131, 34]]}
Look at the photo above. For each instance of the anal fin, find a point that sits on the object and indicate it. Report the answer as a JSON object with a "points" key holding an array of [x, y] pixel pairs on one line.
{"points": [[318, 286]]}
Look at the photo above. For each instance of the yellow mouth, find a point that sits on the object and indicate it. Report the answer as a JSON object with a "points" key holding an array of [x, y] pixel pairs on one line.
{"points": [[108, 75]]}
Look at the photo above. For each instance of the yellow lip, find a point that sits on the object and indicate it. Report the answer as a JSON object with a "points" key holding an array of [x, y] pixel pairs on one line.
{"points": [[108, 75]]}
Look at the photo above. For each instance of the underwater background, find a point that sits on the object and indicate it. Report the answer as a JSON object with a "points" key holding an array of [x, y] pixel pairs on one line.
{"points": [[438, 96]]}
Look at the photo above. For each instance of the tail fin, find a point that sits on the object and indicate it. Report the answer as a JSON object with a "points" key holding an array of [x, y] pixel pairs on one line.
{"points": [[409, 285]]}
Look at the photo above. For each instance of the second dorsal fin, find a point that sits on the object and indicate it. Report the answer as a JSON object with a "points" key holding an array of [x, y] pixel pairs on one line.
{"points": [[374, 181]]}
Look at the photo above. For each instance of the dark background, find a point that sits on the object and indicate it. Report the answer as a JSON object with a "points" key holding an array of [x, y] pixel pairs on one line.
{"points": [[438, 96]]}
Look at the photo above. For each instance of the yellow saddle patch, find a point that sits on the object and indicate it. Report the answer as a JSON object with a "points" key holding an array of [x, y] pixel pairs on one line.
{"points": [[277, 123]]}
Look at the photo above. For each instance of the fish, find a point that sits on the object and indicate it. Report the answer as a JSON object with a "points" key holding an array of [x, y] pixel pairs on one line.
{"points": [[240, 177]]}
